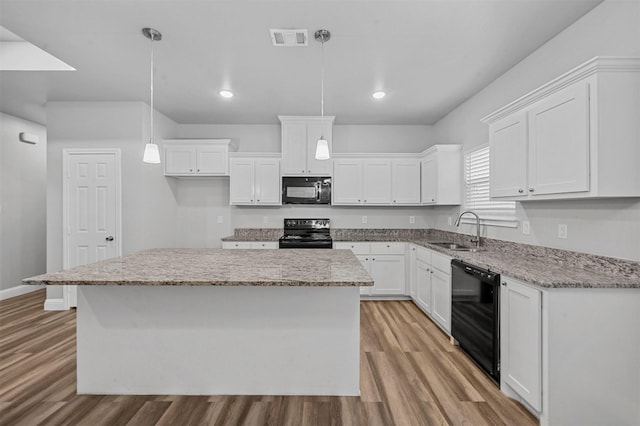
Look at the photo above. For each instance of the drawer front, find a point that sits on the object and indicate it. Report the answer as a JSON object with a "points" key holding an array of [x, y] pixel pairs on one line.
{"points": [[356, 248], [264, 245], [236, 245], [388, 248], [441, 262], [424, 255]]}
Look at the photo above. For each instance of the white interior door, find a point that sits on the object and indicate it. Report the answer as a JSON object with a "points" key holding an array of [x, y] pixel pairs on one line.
{"points": [[91, 209]]}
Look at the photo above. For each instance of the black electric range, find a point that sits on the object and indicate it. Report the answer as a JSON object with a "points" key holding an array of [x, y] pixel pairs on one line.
{"points": [[306, 233]]}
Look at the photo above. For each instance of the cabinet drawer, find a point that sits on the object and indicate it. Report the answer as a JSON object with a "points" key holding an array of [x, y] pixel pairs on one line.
{"points": [[423, 255], [388, 248], [264, 245], [236, 245], [441, 262], [356, 248]]}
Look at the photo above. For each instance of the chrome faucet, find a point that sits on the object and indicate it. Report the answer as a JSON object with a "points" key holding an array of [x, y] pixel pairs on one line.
{"points": [[477, 240]]}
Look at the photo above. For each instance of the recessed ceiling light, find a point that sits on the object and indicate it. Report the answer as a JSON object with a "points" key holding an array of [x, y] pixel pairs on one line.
{"points": [[226, 94], [378, 95]]}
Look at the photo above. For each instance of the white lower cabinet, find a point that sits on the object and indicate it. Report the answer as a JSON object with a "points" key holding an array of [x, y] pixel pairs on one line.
{"points": [[521, 340], [386, 264], [433, 285], [249, 245]]}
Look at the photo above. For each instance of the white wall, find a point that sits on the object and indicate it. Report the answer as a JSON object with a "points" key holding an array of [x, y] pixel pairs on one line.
{"points": [[606, 227], [149, 200], [22, 203]]}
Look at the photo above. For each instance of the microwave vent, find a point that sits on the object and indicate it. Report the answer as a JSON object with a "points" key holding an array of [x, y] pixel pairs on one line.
{"points": [[289, 38]]}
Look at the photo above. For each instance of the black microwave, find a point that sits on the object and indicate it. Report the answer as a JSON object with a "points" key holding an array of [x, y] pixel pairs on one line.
{"points": [[306, 190]]}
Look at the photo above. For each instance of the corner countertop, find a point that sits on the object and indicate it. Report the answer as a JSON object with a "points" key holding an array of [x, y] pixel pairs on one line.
{"points": [[218, 267]]}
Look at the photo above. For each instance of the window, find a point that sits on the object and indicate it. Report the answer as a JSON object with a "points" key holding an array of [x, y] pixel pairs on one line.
{"points": [[476, 178]]}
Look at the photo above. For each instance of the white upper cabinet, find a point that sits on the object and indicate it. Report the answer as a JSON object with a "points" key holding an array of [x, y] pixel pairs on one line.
{"points": [[299, 138], [196, 157], [375, 181], [575, 137], [441, 170], [405, 179], [254, 181]]}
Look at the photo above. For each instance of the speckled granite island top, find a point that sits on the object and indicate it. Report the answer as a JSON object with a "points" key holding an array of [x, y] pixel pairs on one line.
{"points": [[217, 267]]}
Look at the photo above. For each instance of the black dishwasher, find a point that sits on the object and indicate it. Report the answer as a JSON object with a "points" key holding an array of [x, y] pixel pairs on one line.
{"points": [[475, 314]]}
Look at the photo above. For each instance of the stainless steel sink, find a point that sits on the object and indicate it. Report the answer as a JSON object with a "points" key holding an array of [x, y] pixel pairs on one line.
{"points": [[453, 246]]}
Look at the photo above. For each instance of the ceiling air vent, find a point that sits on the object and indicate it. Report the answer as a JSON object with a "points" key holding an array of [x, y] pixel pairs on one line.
{"points": [[289, 38]]}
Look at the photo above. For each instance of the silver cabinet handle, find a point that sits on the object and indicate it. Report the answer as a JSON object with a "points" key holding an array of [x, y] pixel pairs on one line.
{"points": [[530, 189], [109, 238], [520, 191]]}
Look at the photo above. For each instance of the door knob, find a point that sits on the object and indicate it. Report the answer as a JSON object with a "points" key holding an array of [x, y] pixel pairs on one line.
{"points": [[109, 238]]}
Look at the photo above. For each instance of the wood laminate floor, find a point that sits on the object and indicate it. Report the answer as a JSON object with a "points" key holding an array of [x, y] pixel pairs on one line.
{"points": [[410, 375]]}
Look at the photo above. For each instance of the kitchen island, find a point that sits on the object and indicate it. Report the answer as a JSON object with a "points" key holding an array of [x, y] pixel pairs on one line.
{"points": [[212, 321]]}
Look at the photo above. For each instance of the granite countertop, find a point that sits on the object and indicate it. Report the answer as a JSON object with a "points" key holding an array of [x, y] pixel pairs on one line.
{"points": [[541, 266], [218, 267]]}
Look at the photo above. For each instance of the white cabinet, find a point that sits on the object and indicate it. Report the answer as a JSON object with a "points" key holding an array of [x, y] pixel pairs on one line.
{"points": [[299, 138], [441, 175], [575, 137], [196, 157], [412, 271], [433, 286], [375, 181], [386, 264], [249, 245], [254, 181], [521, 340]]}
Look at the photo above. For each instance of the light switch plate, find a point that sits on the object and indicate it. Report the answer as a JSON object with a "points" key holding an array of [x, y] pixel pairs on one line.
{"points": [[412, 219], [364, 219], [220, 219], [449, 221], [562, 231], [526, 227], [265, 219]]}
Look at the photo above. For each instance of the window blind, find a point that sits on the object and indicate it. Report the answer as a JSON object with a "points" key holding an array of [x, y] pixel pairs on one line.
{"points": [[477, 199]]}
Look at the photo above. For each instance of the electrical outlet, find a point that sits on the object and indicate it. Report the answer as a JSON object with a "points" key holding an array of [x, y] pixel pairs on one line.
{"points": [[562, 231], [265, 219], [220, 219], [449, 220], [364, 219], [526, 227], [412, 219]]}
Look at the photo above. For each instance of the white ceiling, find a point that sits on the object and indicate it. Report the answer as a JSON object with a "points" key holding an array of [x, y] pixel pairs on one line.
{"points": [[429, 56]]}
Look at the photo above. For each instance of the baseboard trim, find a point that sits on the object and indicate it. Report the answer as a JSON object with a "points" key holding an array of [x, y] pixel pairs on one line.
{"points": [[55, 305], [18, 290]]}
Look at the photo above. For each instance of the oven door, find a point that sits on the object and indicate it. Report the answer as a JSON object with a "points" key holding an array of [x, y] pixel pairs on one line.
{"points": [[306, 190], [475, 321]]}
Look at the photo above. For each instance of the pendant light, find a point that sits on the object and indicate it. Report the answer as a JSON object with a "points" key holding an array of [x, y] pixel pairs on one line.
{"points": [[151, 151], [322, 147]]}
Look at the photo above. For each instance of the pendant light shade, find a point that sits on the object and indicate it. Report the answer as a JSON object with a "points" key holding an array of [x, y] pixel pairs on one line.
{"points": [[322, 146], [322, 149], [151, 151]]}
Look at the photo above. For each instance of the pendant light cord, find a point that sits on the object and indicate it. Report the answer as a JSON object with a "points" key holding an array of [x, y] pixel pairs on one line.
{"points": [[151, 114], [322, 79]]}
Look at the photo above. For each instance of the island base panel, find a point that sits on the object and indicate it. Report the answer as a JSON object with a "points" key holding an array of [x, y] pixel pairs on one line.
{"points": [[213, 340]]}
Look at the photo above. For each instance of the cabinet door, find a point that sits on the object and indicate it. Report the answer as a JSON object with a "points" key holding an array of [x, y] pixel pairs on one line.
{"points": [[241, 181], [508, 150], [347, 182], [559, 142], [388, 274], [405, 182], [441, 292], [413, 272], [423, 285], [211, 160], [267, 181], [521, 334], [294, 149], [314, 132], [180, 160], [429, 180], [377, 182], [364, 260]]}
